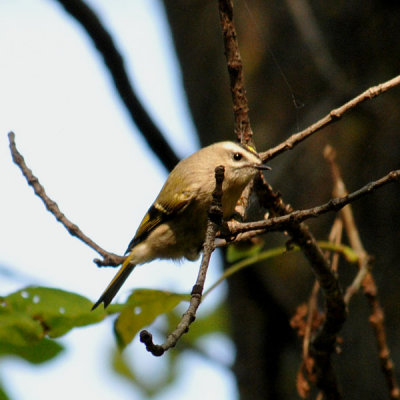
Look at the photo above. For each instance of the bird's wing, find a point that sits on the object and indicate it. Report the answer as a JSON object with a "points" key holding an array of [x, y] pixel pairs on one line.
{"points": [[160, 212]]}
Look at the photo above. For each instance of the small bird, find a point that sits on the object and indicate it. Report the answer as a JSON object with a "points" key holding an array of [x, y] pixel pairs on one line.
{"points": [[174, 227]]}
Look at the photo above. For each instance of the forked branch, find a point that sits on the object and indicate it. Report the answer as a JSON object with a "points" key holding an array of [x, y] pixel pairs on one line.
{"points": [[214, 222]]}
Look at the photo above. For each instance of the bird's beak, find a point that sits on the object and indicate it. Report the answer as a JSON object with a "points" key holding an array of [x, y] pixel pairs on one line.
{"points": [[262, 167]]}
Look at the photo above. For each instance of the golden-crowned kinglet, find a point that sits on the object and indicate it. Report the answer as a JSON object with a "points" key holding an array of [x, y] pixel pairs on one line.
{"points": [[175, 225]]}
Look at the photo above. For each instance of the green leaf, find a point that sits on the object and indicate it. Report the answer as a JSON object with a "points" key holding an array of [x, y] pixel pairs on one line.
{"points": [[29, 317], [141, 309], [346, 251], [18, 329], [239, 250], [122, 368], [55, 311], [3, 394], [36, 353], [215, 321], [153, 385]]}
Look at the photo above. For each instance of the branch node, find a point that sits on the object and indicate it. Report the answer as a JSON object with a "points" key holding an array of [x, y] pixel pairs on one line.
{"points": [[215, 211], [335, 114], [197, 290], [147, 338]]}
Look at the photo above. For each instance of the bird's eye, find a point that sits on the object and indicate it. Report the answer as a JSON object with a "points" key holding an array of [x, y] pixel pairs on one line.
{"points": [[237, 156]]}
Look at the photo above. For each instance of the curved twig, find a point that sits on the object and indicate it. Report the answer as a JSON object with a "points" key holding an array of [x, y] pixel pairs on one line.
{"points": [[214, 221], [108, 258], [333, 116]]}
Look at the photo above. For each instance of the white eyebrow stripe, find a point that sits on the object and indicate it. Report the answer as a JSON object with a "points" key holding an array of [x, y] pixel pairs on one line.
{"points": [[230, 146]]}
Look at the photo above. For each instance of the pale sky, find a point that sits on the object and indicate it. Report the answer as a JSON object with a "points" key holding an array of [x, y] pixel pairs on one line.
{"points": [[57, 97]]}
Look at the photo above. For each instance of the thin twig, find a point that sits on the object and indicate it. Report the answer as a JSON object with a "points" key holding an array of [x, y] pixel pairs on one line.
{"points": [[284, 222], [333, 116], [115, 64], [350, 225], [364, 279], [243, 129], [214, 222], [108, 258], [314, 319], [299, 232], [377, 320], [323, 344], [339, 249]]}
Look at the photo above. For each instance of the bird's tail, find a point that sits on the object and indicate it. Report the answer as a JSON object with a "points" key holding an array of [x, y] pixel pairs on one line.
{"points": [[116, 283]]}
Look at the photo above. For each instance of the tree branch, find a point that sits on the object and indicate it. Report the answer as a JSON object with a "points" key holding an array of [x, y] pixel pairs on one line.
{"points": [[365, 279], [323, 344], [108, 258], [333, 116], [243, 129], [284, 222], [115, 64], [308, 319], [214, 221]]}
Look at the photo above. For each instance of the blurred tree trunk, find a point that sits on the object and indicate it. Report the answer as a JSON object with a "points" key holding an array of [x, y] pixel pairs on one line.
{"points": [[301, 59]]}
